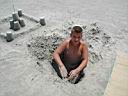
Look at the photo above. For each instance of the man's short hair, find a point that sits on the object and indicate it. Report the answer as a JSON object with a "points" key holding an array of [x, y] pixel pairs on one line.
{"points": [[77, 29]]}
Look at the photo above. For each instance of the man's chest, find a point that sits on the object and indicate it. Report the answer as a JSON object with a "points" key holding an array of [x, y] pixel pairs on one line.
{"points": [[73, 53]]}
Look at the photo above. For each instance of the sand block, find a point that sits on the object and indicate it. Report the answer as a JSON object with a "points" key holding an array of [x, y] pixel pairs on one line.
{"points": [[16, 25], [15, 16], [20, 13], [118, 83], [9, 36], [11, 24], [42, 21], [21, 22]]}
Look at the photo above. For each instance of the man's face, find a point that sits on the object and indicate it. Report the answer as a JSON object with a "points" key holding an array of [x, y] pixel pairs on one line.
{"points": [[76, 37]]}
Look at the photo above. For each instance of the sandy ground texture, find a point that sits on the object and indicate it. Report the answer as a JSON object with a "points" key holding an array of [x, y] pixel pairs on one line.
{"points": [[25, 68]]}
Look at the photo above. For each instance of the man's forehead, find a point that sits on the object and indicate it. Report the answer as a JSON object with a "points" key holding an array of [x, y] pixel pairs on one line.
{"points": [[76, 33]]}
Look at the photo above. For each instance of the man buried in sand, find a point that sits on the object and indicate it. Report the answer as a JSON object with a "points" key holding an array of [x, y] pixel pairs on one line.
{"points": [[71, 57]]}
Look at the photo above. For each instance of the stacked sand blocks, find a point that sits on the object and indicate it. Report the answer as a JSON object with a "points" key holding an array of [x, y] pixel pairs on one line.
{"points": [[15, 24], [16, 21]]}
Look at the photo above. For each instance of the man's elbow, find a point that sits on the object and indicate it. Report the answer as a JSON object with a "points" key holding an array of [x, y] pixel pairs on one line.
{"points": [[54, 55], [85, 62]]}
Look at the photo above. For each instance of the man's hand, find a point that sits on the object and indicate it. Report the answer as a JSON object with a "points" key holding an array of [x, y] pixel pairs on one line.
{"points": [[63, 71], [74, 73]]}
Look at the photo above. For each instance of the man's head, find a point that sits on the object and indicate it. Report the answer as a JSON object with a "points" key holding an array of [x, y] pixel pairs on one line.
{"points": [[77, 29], [76, 34]]}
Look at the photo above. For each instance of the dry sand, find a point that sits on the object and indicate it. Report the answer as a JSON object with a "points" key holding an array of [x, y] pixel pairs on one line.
{"points": [[25, 68]]}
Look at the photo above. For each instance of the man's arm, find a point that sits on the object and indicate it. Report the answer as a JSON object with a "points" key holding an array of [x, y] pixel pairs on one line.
{"points": [[83, 64], [56, 56], [57, 52], [84, 58]]}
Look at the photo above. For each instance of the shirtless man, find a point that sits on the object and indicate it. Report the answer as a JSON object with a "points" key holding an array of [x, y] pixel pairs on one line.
{"points": [[72, 55]]}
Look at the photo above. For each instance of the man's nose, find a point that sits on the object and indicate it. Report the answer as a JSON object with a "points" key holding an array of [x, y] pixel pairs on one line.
{"points": [[76, 39]]}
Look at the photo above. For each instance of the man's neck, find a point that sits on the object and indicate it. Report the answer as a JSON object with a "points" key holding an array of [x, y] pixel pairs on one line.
{"points": [[74, 46]]}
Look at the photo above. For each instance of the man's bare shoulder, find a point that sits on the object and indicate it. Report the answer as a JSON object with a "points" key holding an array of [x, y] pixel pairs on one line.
{"points": [[64, 44], [66, 41], [83, 43]]}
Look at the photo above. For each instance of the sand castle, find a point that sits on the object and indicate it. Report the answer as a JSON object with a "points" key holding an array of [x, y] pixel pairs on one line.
{"points": [[17, 22]]}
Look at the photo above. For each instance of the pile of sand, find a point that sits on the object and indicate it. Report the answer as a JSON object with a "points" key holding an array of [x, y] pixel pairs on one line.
{"points": [[97, 40]]}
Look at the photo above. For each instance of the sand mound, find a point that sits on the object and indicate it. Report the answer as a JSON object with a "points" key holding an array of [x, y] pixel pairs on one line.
{"points": [[43, 46]]}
